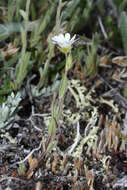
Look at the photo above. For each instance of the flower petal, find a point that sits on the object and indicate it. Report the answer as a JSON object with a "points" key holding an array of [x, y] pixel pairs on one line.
{"points": [[64, 41], [67, 37], [58, 39], [55, 39], [73, 39], [61, 38]]}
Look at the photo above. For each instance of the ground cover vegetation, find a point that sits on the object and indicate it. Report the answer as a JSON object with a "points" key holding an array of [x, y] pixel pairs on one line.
{"points": [[63, 94]]}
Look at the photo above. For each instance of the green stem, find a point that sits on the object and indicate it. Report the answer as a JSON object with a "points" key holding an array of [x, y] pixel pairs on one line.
{"points": [[57, 106]]}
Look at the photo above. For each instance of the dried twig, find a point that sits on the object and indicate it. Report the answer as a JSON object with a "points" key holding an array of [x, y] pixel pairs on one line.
{"points": [[102, 28], [114, 93], [35, 149], [76, 140]]}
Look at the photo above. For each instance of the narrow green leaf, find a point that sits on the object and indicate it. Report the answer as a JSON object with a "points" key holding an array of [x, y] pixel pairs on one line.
{"points": [[52, 127], [123, 30], [63, 86]]}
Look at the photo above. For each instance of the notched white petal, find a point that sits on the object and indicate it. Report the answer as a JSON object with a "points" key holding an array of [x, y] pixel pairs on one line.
{"points": [[67, 36], [73, 38], [61, 37], [55, 38], [64, 41]]}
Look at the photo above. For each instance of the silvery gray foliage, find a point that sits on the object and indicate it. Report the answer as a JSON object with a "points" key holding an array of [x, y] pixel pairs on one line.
{"points": [[45, 92], [8, 108], [121, 183]]}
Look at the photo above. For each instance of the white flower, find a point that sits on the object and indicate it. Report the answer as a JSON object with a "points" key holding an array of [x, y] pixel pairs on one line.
{"points": [[64, 41]]}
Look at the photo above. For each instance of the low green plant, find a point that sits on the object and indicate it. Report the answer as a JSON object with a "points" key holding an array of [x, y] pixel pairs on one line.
{"points": [[43, 23], [24, 62], [91, 59], [65, 45], [8, 108], [123, 30], [44, 72], [125, 92]]}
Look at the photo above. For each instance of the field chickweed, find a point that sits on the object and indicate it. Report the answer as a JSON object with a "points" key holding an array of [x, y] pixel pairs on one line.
{"points": [[64, 42]]}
